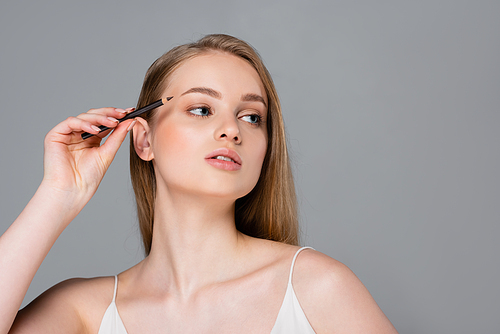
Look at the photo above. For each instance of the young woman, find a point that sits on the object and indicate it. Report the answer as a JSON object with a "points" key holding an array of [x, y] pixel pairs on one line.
{"points": [[217, 213]]}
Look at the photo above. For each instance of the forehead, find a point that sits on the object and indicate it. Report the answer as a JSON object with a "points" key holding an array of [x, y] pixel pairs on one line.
{"points": [[223, 72]]}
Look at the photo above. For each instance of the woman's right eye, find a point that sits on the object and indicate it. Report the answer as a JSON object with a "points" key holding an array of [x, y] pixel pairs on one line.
{"points": [[200, 111]]}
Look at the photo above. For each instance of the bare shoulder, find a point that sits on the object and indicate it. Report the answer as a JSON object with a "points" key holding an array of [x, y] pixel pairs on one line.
{"points": [[334, 299], [318, 271], [71, 306]]}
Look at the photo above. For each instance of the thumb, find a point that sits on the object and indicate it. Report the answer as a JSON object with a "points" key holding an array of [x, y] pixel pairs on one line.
{"points": [[114, 141]]}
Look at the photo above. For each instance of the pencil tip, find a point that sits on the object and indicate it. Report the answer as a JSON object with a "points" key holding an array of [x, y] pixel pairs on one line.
{"points": [[170, 98]]}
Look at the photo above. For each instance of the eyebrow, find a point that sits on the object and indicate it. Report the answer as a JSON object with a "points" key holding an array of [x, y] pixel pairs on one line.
{"points": [[204, 90], [253, 97], [250, 97]]}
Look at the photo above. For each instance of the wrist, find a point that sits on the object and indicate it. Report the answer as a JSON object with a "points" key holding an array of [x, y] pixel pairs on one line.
{"points": [[68, 202]]}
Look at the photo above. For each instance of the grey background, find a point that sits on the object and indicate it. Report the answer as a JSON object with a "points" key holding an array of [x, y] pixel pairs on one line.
{"points": [[392, 113]]}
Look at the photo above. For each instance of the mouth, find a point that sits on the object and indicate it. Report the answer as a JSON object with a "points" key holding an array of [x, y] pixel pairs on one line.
{"points": [[224, 158], [225, 154], [221, 157]]}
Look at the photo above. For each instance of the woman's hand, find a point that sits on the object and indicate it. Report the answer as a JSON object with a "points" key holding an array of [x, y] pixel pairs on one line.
{"points": [[75, 166], [73, 169]]}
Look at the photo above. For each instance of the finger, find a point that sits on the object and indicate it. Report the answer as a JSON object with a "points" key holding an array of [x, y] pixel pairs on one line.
{"points": [[113, 112], [74, 124], [99, 119], [105, 122], [110, 147], [101, 134]]}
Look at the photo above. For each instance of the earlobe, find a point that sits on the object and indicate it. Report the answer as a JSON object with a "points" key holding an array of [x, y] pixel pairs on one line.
{"points": [[142, 139]]}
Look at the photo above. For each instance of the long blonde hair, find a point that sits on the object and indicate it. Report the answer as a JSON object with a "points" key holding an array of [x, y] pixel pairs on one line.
{"points": [[269, 211]]}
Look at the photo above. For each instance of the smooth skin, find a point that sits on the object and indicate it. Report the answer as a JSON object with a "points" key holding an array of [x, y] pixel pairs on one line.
{"points": [[202, 275]]}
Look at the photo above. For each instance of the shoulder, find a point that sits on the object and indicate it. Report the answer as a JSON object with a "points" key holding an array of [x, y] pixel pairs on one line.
{"points": [[333, 298], [318, 271], [71, 306]]}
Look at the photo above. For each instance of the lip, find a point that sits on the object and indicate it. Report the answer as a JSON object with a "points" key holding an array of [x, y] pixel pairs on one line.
{"points": [[222, 164]]}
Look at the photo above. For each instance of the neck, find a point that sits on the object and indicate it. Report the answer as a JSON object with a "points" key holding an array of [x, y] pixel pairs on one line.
{"points": [[195, 243]]}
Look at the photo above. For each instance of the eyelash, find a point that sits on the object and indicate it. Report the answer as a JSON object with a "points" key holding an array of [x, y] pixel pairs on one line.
{"points": [[210, 112], [201, 107], [259, 119]]}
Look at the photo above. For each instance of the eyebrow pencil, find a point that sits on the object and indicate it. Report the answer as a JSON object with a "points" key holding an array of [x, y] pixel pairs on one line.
{"points": [[133, 114]]}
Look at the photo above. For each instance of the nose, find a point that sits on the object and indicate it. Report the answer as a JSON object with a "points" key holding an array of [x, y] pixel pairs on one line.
{"points": [[228, 130]]}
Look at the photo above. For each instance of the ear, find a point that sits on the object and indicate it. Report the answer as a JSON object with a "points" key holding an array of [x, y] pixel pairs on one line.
{"points": [[142, 139]]}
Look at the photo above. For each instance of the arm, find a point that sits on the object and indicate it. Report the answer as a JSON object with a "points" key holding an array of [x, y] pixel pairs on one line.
{"points": [[73, 169], [334, 299]]}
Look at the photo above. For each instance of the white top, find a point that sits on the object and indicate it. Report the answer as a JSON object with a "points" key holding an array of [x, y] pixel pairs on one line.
{"points": [[291, 318]]}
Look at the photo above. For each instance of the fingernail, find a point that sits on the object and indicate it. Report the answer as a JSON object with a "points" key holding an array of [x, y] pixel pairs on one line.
{"points": [[123, 111], [113, 119], [131, 125], [95, 128], [130, 109]]}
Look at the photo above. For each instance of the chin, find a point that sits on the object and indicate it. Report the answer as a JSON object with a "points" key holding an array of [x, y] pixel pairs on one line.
{"points": [[217, 190], [227, 194]]}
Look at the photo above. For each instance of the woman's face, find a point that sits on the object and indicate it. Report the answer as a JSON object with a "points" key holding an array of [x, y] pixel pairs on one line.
{"points": [[211, 138]]}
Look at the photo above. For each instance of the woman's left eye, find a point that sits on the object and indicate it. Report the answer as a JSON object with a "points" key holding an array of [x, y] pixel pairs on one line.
{"points": [[200, 111], [254, 119]]}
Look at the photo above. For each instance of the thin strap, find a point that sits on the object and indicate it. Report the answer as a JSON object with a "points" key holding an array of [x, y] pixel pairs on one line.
{"points": [[293, 263], [116, 285]]}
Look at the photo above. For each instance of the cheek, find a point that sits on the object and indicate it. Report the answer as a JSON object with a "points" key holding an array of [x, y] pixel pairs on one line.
{"points": [[259, 149], [175, 145], [262, 146], [262, 151]]}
